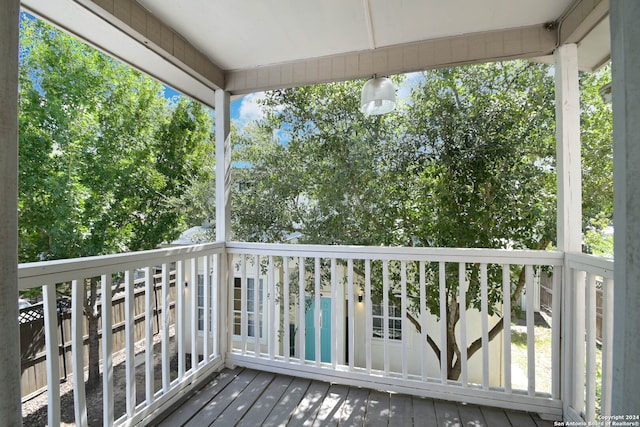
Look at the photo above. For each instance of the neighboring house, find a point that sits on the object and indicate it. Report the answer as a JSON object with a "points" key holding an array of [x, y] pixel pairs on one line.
{"points": [[399, 327]]}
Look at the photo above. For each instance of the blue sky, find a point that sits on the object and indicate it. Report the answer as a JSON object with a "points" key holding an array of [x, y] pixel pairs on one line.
{"points": [[247, 109]]}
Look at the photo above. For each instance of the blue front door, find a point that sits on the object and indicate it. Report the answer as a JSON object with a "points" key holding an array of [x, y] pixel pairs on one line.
{"points": [[325, 331]]}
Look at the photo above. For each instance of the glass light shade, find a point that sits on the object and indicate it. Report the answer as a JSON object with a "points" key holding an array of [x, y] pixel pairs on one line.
{"points": [[378, 96]]}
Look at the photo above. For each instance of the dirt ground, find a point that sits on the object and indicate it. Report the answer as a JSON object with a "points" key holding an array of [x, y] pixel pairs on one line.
{"points": [[34, 411]]}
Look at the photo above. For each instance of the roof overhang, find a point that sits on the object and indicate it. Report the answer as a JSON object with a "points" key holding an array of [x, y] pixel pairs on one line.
{"points": [[197, 47]]}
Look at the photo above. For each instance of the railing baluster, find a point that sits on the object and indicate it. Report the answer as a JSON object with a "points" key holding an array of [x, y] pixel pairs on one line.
{"points": [[244, 321], [404, 308], [462, 287], [77, 354], [148, 321], [179, 318], [107, 350], [607, 347], [194, 314], [53, 353], [578, 340], [271, 300], [214, 277], [590, 410], [385, 314], [257, 313], [368, 312], [443, 321], [484, 300], [166, 358], [334, 317], [317, 312], [301, 309], [206, 290], [556, 314], [130, 342], [423, 320], [351, 314], [506, 329], [531, 342], [286, 347]]}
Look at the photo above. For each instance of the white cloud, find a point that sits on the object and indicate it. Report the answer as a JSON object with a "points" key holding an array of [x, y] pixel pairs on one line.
{"points": [[249, 109], [410, 81]]}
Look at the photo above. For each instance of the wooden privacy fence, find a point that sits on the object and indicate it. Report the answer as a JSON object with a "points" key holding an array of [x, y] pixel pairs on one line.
{"points": [[32, 334]]}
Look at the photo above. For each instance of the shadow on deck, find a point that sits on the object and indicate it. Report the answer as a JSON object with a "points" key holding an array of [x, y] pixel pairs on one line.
{"points": [[246, 397]]}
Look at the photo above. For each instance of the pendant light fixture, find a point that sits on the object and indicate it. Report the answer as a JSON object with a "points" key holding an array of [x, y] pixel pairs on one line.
{"points": [[378, 96]]}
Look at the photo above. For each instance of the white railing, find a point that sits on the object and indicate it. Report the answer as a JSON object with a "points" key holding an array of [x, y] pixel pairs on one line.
{"points": [[370, 344], [368, 316], [583, 382], [188, 264]]}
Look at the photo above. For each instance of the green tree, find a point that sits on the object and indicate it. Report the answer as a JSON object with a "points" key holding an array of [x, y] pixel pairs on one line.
{"points": [[596, 125], [104, 157], [467, 161]]}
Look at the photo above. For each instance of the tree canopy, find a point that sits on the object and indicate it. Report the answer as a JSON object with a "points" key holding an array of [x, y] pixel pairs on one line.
{"points": [[467, 160], [105, 161], [104, 157]]}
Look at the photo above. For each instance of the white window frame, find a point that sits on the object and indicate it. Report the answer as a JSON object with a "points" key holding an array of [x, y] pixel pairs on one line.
{"points": [[200, 302], [395, 321], [237, 308]]}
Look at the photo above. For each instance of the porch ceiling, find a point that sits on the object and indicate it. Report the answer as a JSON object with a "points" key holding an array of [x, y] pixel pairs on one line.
{"points": [[255, 45]]}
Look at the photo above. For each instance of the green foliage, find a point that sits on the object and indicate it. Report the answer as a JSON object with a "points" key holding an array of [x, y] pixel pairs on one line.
{"points": [[467, 161], [104, 157], [596, 124], [599, 242]]}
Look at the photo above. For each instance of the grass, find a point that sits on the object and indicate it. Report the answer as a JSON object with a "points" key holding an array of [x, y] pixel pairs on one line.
{"points": [[543, 359], [519, 357]]}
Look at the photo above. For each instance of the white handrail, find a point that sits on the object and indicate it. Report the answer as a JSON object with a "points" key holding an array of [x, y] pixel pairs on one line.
{"points": [[362, 352]]}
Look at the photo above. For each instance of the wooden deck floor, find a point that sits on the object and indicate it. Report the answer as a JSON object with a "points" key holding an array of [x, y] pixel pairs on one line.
{"points": [[245, 397]]}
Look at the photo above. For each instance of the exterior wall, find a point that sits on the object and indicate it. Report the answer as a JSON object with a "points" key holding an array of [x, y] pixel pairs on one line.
{"points": [[414, 348]]}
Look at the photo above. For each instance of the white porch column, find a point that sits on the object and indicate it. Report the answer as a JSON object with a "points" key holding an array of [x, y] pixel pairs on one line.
{"points": [[10, 411], [569, 226], [223, 214], [223, 166], [569, 215], [625, 39]]}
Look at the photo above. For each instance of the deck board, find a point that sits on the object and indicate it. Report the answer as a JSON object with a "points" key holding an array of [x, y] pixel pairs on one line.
{"points": [[190, 407], [215, 407], [261, 409], [245, 397], [424, 411], [288, 403], [471, 416], [377, 409], [244, 401], [447, 413], [331, 409], [354, 407], [401, 409], [305, 413]]}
